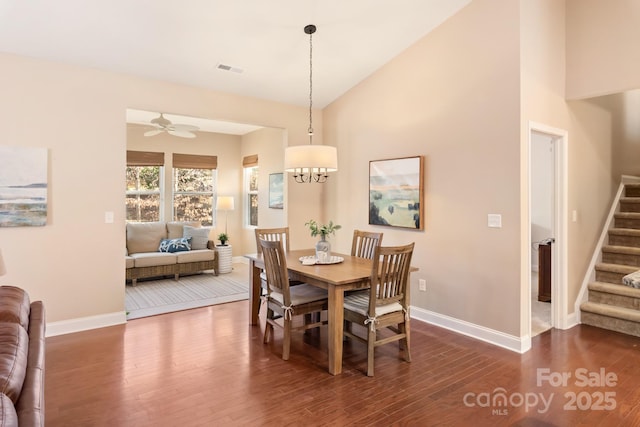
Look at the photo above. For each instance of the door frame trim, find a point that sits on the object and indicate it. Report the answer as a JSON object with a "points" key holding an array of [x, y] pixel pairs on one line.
{"points": [[559, 257]]}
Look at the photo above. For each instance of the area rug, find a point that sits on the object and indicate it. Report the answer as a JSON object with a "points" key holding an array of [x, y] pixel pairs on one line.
{"points": [[152, 297]]}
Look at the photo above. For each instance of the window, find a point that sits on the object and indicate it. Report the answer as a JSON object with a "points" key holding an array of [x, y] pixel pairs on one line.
{"points": [[194, 183], [250, 165], [144, 186], [193, 195]]}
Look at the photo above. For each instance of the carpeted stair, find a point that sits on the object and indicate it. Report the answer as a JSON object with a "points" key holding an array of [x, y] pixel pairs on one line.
{"points": [[613, 305]]}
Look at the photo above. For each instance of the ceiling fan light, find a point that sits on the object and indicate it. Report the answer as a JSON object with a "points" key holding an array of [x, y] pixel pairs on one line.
{"points": [[162, 124]]}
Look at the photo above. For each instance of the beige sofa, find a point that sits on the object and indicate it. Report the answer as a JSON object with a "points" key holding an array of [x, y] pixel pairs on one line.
{"points": [[144, 259]]}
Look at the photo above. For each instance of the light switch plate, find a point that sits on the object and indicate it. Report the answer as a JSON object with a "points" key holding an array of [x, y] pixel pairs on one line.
{"points": [[494, 220], [108, 217]]}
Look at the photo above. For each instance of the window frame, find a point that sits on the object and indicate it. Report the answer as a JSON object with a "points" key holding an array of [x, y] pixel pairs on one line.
{"points": [[249, 193], [160, 192]]}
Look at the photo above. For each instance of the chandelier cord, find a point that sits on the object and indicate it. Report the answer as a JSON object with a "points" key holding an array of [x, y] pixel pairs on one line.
{"points": [[310, 130]]}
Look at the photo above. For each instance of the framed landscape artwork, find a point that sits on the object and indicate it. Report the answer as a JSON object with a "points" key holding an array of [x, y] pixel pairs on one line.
{"points": [[396, 189], [276, 191], [23, 186]]}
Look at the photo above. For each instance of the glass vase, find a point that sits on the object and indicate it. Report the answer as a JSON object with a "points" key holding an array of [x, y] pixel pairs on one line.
{"points": [[323, 249]]}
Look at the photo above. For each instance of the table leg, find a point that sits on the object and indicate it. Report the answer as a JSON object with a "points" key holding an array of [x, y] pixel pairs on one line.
{"points": [[336, 321], [254, 292]]}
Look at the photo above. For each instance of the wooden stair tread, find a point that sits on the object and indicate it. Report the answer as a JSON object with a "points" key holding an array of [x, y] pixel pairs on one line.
{"points": [[627, 199]]}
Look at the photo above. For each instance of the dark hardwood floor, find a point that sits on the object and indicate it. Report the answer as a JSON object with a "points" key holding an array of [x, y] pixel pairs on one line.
{"points": [[208, 367]]}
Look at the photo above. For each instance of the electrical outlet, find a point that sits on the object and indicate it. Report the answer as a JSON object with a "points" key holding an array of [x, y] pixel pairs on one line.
{"points": [[422, 285]]}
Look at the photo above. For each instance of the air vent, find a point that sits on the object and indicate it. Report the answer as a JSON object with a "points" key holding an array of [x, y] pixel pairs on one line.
{"points": [[225, 67]]}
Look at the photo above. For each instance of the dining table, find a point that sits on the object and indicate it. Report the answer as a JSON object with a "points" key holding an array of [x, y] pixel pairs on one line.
{"points": [[341, 273]]}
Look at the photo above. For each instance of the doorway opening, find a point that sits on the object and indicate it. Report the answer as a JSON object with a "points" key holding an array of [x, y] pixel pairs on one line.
{"points": [[547, 294]]}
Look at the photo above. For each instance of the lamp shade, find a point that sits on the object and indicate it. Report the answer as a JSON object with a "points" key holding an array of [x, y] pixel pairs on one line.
{"points": [[224, 203], [311, 157], [3, 270]]}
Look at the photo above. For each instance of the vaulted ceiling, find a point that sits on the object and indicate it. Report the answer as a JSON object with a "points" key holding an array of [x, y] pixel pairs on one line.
{"points": [[262, 42]]}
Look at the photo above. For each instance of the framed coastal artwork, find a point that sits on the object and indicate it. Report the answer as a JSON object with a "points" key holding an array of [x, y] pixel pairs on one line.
{"points": [[396, 192], [276, 191], [23, 186]]}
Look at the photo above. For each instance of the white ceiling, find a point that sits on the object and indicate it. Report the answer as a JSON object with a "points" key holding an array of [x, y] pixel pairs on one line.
{"points": [[205, 125], [184, 42]]}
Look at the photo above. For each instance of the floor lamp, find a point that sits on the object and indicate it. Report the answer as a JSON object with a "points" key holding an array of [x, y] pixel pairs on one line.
{"points": [[225, 203]]}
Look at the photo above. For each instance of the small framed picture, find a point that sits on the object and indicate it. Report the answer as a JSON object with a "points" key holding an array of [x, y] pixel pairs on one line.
{"points": [[396, 192], [276, 191]]}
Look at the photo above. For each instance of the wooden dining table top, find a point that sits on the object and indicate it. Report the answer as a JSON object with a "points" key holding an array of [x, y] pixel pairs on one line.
{"points": [[352, 269]]}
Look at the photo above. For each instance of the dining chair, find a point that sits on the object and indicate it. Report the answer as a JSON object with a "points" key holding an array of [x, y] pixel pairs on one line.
{"points": [[364, 243], [284, 302], [272, 234], [385, 305]]}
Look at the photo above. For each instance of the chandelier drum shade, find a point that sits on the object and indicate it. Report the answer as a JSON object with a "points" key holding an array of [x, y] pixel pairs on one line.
{"points": [[310, 163], [313, 160]]}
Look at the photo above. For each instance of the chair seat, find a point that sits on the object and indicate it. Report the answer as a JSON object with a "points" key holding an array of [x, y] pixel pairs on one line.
{"points": [[302, 294], [358, 302]]}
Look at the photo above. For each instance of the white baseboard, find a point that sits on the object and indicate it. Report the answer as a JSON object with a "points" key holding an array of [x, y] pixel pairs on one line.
{"points": [[572, 320], [85, 323], [510, 342]]}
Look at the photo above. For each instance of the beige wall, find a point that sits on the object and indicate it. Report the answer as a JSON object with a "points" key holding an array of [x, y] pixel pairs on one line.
{"points": [[75, 264], [454, 98], [463, 97], [268, 144], [602, 47], [625, 116]]}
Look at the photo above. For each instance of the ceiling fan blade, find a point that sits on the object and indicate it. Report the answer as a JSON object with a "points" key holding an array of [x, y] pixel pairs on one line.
{"points": [[182, 127], [181, 133], [153, 132]]}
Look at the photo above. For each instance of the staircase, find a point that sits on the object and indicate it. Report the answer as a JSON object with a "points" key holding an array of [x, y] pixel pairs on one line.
{"points": [[612, 305]]}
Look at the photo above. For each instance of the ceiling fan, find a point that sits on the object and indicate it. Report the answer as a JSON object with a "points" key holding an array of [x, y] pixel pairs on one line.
{"points": [[164, 125]]}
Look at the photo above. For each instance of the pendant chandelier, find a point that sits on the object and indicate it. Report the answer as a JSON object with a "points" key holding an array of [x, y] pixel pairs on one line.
{"points": [[310, 163]]}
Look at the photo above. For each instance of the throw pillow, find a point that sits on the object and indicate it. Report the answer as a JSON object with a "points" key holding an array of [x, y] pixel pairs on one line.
{"points": [[175, 245], [199, 236]]}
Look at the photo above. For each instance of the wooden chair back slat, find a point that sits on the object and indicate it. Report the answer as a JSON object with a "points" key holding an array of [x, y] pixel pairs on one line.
{"points": [[365, 243], [390, 276], [272, 234]]}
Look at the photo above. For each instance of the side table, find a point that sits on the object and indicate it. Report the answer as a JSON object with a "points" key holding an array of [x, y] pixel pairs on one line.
{"points": [[225, 264]]}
